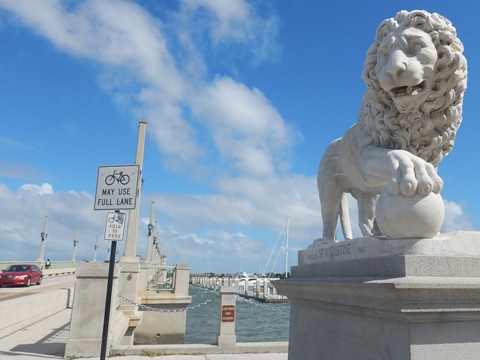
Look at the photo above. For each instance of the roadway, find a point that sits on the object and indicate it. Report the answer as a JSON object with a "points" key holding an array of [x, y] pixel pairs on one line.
{"points": [[48, 284]]}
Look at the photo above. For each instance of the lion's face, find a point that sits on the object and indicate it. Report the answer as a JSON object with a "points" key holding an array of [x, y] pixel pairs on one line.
{"points": [[416, 75], [405, 67]]}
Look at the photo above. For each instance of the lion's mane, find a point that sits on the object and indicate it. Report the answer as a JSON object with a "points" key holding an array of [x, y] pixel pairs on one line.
{"points": [[428, 132]]}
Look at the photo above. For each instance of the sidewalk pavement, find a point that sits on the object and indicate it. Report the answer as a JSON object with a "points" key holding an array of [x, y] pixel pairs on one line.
{"points": [[46, 340]]}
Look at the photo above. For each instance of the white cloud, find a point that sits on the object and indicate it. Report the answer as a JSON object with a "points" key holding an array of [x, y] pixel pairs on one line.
{"points": [[44, 189], [245, 127], [23, 218], [217, 251], [455, 218], [231, 18], [234, 22]]}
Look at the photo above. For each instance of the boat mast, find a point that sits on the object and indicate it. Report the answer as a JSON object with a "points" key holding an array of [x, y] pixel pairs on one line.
{"points": [[286, 249]]}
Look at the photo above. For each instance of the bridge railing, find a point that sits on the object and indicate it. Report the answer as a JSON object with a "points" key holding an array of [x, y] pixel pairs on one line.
{"points": [[40, 264], [160, 277], [57, 268]]}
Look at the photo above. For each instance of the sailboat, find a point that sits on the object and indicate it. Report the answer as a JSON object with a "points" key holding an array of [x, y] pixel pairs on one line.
{"points": [[278, 251]]}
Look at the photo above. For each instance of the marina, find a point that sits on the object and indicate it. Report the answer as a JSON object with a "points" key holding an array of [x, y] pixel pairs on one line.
{"points": [[249, 286], [252, 286]]}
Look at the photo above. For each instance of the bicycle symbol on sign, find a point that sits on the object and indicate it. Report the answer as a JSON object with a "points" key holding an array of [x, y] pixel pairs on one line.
{"points": [[118, 176], [116, 218]]}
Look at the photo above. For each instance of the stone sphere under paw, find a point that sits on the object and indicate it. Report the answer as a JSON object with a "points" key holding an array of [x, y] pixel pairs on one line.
{"points": [[417, 216]]}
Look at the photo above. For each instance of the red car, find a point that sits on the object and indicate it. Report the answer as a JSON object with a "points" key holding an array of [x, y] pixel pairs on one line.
{"points": [[21, 274]]}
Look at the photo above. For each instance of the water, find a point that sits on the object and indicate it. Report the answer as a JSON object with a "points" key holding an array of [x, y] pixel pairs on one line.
{"points": [[255, 321]]}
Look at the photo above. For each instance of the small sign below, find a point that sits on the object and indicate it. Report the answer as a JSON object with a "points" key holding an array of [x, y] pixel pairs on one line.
{"points": [[117, 187], [228, 313], [115, 226]]}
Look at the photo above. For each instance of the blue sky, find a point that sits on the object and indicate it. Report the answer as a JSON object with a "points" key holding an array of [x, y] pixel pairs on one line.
{"points": [[241, 100]]}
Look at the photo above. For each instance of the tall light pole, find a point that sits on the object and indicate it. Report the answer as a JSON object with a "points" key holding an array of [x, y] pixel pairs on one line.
{"points": [[130, 266], [43, 236], [95, 249], [156, 239], [75, 243], [131, 241], [150, 227]]}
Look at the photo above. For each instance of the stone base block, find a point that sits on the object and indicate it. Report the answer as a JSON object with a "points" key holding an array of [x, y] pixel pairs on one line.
{"points": [[227, 342], [161, 328], [417, 300], [88, 313]]}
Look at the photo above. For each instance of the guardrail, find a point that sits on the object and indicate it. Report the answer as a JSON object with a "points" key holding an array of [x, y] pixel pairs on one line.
{"points": [[40, 264], [58, 272], [58, 268], [34, 308]]}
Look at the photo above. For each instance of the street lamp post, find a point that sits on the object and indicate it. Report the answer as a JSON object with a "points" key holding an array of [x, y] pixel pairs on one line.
{"points": [[130, 266], [95, 250], [155, 235], [43, 236], [131, 240], [150, 227], [75, 243]]}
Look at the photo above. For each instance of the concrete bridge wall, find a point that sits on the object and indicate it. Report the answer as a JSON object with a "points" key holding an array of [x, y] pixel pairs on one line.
{"points": [[28, 310]]}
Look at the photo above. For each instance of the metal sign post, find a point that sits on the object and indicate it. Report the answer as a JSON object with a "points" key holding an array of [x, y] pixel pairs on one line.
{"points": [[108, 301], [116, 190]]}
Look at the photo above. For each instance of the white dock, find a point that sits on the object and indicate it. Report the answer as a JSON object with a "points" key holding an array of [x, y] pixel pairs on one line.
{"points": [[259, 289]]}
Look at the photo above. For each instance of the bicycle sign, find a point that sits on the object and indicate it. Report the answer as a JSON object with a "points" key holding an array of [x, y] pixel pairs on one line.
{"points": [[115, 226], [115, 218], [119, 177], [116, 187]]}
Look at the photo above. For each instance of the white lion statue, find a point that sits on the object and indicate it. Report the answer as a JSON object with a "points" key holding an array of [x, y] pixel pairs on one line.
{"points": [[416, 76]]}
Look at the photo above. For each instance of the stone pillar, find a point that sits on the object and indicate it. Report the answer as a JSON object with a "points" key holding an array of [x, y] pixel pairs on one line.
{"points": [[129, 275], [258, 284], [43, 236], [371, 298], [95, 249], [75, 243], [182, 278], [129, 288], [165, 327], [151, 228], [226, 338], [130, 254], [86, 325], [156, 247]]}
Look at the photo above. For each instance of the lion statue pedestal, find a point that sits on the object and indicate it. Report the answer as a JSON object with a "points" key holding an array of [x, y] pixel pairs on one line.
{"points": [[401, 291], [395, 299]]}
